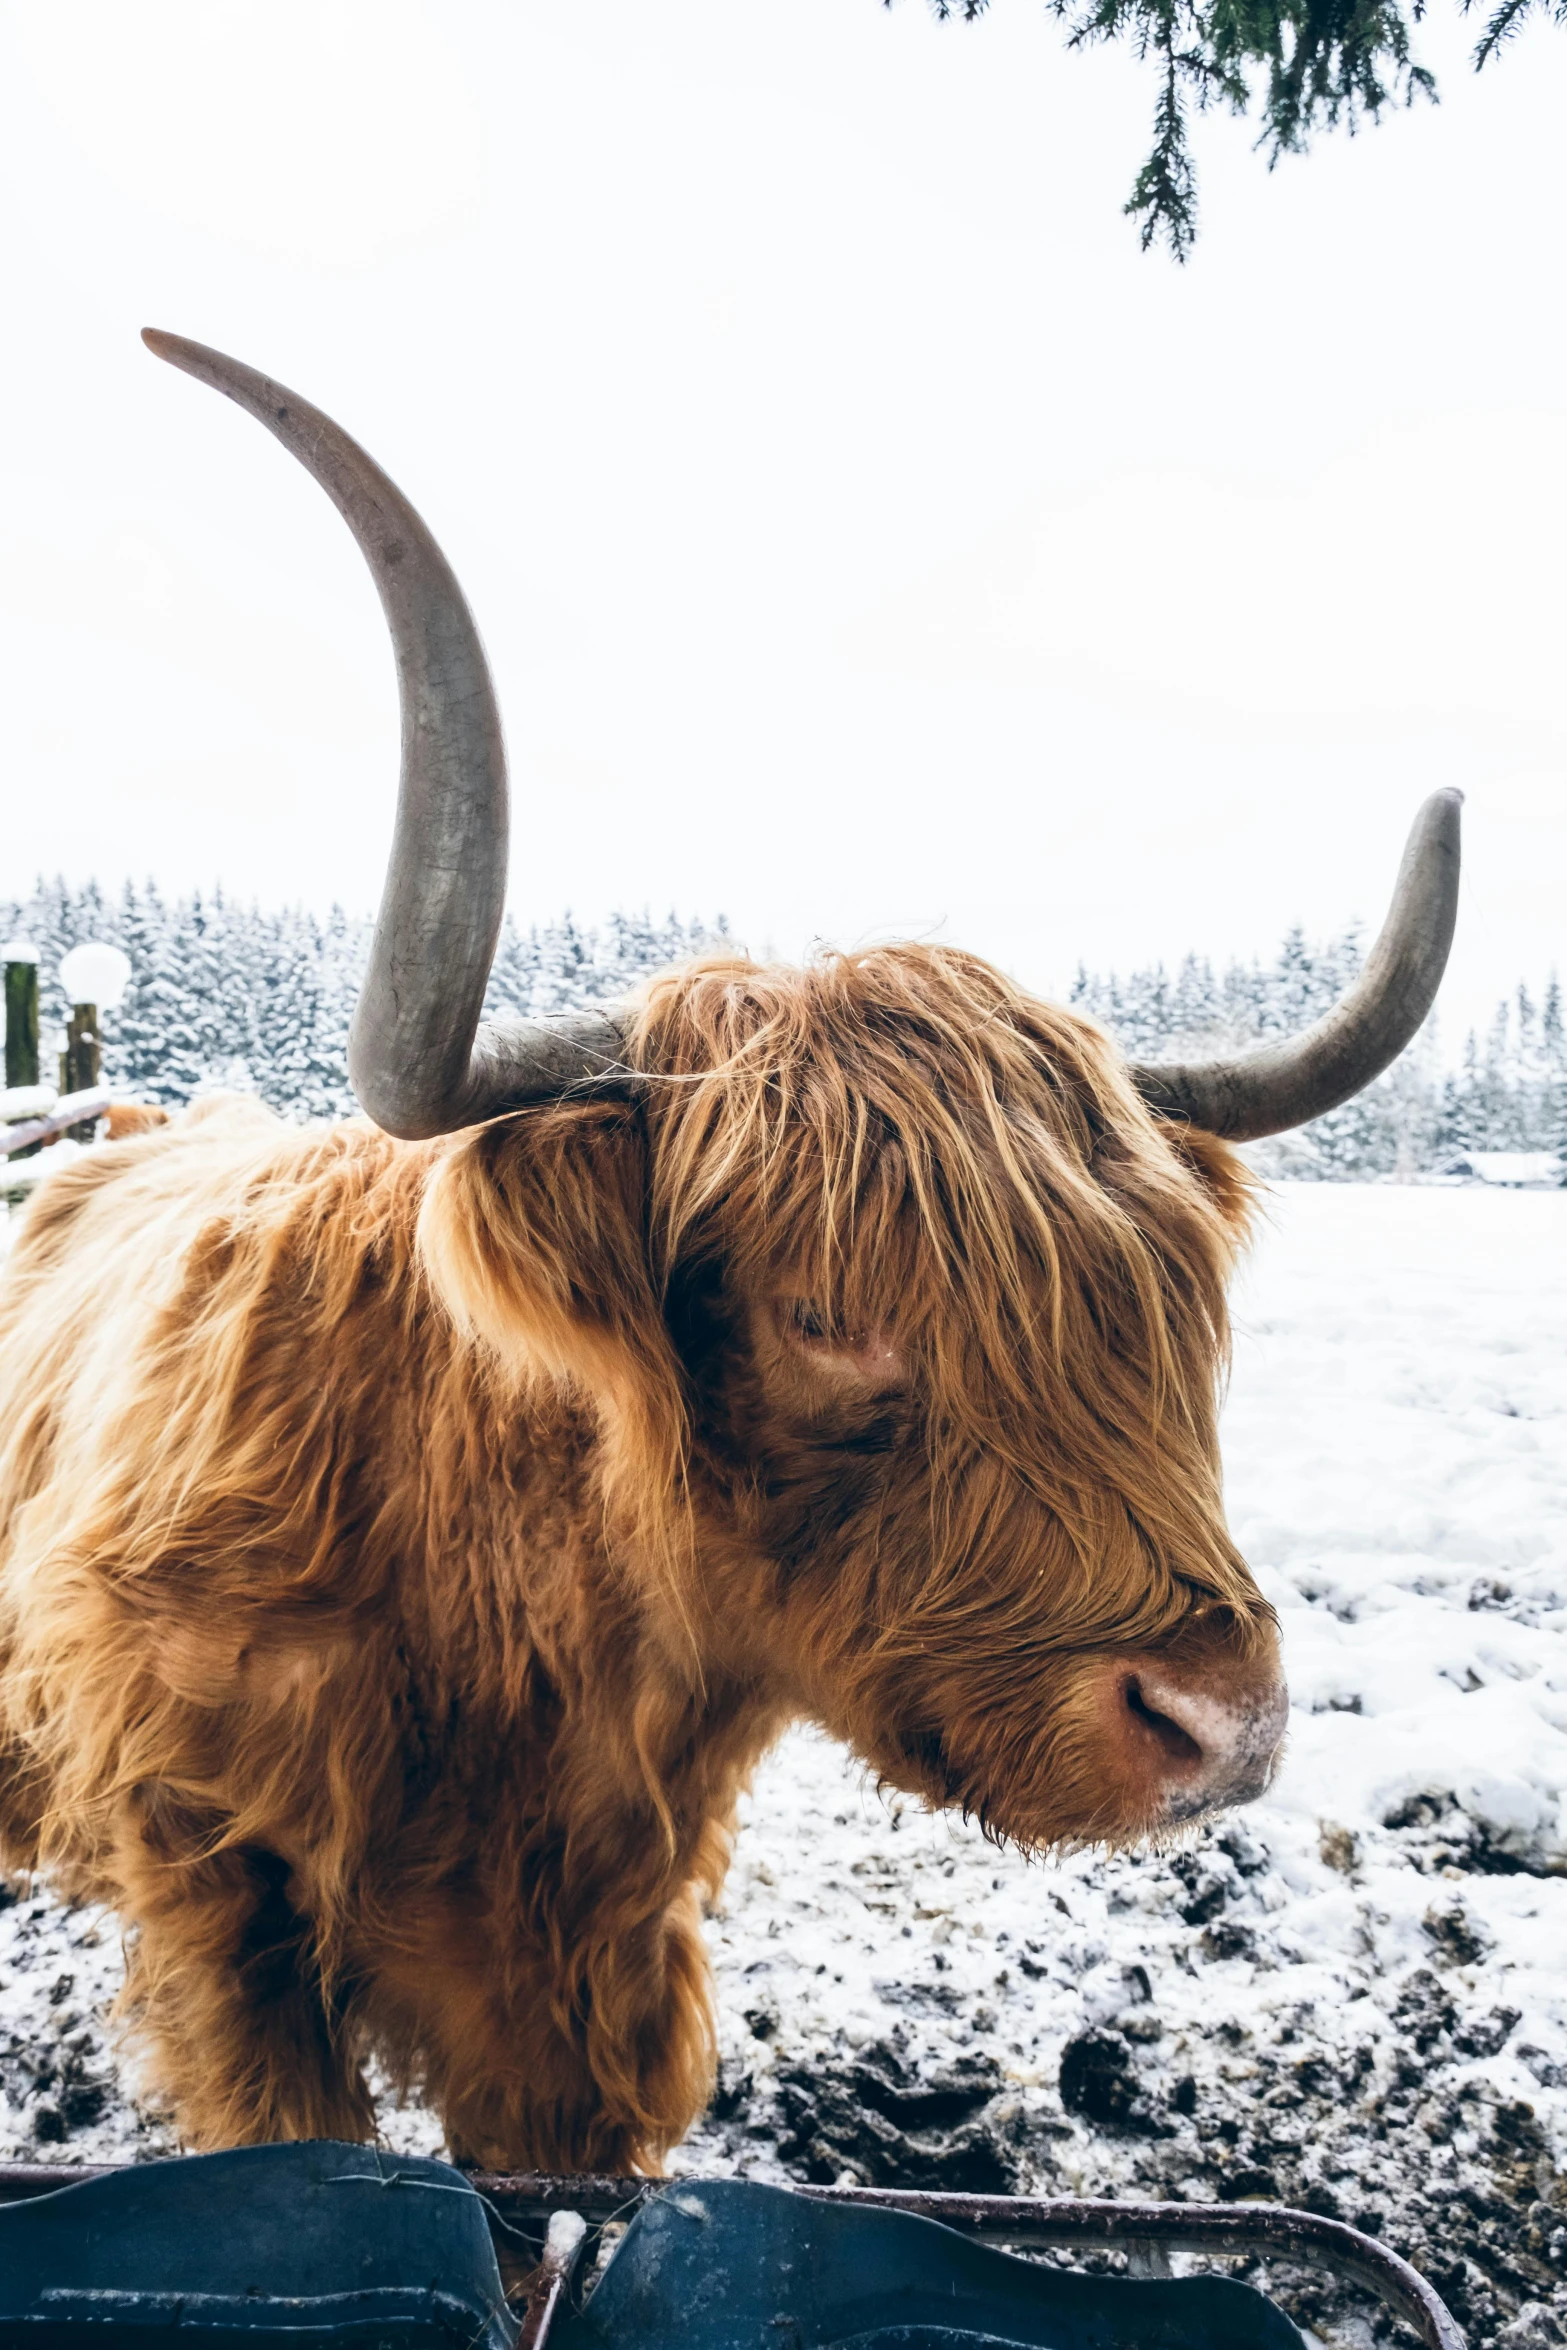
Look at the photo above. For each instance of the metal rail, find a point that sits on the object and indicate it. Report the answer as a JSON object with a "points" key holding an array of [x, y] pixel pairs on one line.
{"points": [[1254, 2231], [1273, 2231]]}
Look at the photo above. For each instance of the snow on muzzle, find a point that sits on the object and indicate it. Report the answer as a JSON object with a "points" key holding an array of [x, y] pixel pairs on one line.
{"points": [[1198, 1741]]}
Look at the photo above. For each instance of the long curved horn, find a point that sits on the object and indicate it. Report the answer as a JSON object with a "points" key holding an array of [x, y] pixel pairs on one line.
{"points": [[1282, 1085], [420, 1061]]}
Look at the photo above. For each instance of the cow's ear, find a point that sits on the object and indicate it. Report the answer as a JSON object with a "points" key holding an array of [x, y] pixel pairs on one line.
{"points": [[534, 1237], [1223, 1174]]}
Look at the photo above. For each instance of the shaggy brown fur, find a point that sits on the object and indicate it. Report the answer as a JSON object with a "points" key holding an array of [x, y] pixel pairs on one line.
{"points": [[123, 1119], [406, 1550]]}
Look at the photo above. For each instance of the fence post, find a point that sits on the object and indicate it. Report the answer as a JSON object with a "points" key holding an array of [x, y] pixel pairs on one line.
{"points": [[81, 1063], [94, 976], [21, 1018]]}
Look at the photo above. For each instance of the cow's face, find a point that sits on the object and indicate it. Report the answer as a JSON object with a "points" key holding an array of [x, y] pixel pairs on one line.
{"points": [[1067, 1665], [906, 1319]]}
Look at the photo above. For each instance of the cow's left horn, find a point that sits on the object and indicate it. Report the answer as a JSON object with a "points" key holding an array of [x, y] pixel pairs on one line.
{"points": [[420, 1060], [1282, 1085]]}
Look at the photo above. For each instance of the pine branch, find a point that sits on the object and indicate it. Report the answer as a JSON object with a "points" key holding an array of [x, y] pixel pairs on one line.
{"points": [[1506, 21], [1165, 190], [1302, 65]]}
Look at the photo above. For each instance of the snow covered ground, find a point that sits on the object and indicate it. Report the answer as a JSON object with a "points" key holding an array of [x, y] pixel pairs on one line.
{"points": [[1352, 1996]]}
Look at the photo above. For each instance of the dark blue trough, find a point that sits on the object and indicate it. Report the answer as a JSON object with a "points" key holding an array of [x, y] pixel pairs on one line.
{"points": [[289, 2247]]}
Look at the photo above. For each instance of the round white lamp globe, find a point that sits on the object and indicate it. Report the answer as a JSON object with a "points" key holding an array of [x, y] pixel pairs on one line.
{"points": [[95, 973]]}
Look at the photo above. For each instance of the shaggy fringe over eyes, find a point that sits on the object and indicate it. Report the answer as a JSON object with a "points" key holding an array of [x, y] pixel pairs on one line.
{"points": [[916, 1145]]}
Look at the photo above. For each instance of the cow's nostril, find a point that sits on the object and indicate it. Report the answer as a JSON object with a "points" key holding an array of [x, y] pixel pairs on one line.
{"points": [[1207, 1748], [1177, 1744]]}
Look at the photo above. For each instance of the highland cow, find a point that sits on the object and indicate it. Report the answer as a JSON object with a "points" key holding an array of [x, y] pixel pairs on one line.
{"points": [[413, 1532]]}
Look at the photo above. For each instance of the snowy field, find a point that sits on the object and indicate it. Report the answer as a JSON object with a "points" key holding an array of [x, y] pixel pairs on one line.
{"points": [[1351, 1996]]}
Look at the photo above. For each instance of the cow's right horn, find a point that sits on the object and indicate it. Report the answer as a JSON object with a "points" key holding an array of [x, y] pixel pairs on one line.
{"points": [[421, 1060], [1282, 1085]]}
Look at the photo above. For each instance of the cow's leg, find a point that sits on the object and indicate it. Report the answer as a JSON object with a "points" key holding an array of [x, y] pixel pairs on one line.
{"points": [[603, 2070], [244, 2042], [21, 1804]]}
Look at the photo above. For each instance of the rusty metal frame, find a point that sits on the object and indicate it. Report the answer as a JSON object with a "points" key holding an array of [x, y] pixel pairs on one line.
{"points": [[1148, 2232]]}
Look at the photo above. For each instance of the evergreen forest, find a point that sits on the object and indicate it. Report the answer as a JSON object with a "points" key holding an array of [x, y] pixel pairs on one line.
{"points": [[225, 996]]}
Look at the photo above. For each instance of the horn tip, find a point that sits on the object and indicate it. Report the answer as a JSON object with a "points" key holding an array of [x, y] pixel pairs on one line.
{"points": [[1441, 817], [178, 350]]}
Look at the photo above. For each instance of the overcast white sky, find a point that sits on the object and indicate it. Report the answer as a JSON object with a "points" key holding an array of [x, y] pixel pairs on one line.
{"points": [[867, 536]]}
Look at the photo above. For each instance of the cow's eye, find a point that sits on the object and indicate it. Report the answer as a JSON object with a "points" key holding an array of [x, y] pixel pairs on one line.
{"points": [[866, 1358]]}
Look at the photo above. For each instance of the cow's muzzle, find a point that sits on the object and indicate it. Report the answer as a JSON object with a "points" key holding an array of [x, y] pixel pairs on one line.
{"points": [[1199, 1745]]}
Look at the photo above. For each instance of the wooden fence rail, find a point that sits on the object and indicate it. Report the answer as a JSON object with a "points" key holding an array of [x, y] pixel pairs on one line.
{"points": [[72, 1109]]}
